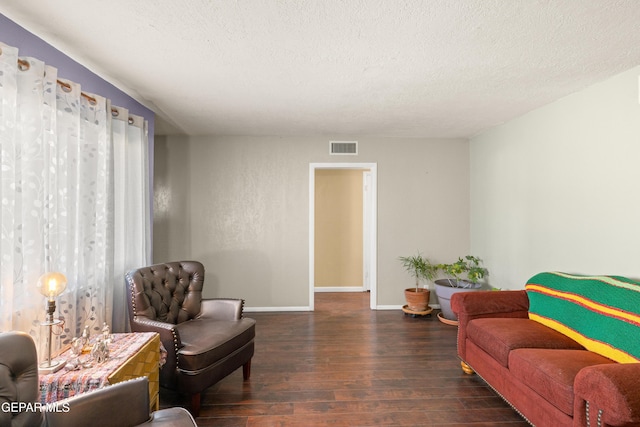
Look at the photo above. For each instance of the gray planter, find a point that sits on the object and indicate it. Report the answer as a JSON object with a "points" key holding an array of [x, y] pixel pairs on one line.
{"points": [[445, 289]]}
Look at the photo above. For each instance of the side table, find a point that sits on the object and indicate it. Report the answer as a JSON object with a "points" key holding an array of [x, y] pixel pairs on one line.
{"points": [[130, 356]]}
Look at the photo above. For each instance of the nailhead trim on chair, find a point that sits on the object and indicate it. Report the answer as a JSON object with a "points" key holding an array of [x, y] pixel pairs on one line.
{"points": [[175, 346], [587, 413], [503, 398], [133, 300], [598, 419]]}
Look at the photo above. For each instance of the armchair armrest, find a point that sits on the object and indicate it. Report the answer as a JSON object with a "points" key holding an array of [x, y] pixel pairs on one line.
{"points": [[221, 309], [170, 339], [172, 417], [118, 405], [612, 393], [169, 335], [474, 305]]}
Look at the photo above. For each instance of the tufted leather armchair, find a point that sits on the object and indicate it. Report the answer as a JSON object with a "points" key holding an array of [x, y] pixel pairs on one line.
{"points": [[18, 379], [119, 405], [205, 339]]}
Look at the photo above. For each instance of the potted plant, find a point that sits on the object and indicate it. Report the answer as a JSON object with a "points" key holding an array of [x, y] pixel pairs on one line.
{"points": [[464, 275], [419, 268]]}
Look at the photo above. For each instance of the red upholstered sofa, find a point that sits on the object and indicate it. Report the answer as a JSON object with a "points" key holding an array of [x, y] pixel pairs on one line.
{"points": [[551, 377]]}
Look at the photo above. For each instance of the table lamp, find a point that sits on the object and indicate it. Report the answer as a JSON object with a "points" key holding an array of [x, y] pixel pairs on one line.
{"points": [[51, 285]]}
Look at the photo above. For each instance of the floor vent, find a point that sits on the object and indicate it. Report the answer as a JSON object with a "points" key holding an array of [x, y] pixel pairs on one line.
{"points": [[341, 148]]}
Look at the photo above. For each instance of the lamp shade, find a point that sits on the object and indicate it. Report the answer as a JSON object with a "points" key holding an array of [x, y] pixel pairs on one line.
{"points": [[51, 284]]}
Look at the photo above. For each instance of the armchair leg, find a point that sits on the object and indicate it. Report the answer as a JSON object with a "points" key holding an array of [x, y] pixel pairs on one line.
{"points": [[195, 404], [246, 370]]}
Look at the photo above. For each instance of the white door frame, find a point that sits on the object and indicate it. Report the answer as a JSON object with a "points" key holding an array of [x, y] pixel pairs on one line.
{"points": [[367, 212], [372, 237]]}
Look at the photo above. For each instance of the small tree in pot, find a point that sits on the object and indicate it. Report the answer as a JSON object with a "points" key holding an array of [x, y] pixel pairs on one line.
{"points": [[420, 268], [464, 276]]}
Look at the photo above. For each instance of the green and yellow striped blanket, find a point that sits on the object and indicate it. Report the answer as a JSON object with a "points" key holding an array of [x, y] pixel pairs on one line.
{"points": [[600, 312]]}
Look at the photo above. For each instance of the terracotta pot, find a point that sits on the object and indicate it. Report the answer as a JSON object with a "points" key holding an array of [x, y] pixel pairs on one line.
{"points": [[417, 301]]}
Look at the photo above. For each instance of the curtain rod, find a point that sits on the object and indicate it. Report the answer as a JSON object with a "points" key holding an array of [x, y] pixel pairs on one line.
{"points": [[24, 66]]}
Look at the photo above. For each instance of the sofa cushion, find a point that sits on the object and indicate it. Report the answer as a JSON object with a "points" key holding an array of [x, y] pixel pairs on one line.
{"points": [[551, 373], [600, 312], [205, 342], [498, 336]]}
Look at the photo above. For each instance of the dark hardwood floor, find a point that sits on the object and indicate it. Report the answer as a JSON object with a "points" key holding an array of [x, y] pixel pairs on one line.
{"points": [[346, 365]]}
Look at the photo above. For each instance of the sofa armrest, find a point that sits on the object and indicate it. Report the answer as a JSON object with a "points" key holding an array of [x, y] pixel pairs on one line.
{"points": [[222, 309], [118, 405], [612, 392], [474, 305], [490, 304]]}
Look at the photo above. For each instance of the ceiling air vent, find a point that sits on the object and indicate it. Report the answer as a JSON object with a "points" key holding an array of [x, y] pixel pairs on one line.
{"points": [[343, 148]]}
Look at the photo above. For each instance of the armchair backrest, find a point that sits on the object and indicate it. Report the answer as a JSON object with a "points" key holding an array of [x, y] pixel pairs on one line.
{"points": [[19, 384], [169, 292]]}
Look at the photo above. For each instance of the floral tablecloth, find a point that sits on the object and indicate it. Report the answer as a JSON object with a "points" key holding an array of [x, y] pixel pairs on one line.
{"points": [[63, 384]]}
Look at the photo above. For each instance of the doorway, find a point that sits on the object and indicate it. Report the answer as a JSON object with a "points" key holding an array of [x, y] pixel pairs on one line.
{"points": [[369, 225]]}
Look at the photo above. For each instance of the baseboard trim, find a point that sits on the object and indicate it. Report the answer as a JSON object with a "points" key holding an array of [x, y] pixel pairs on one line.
{"points": [[275, 309], [388, 307], [338, 289], [399, 307], [288, 309]]}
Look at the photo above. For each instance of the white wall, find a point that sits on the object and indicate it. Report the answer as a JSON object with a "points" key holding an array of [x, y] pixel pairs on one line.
{"points": [[559, 188], [240, 205]]}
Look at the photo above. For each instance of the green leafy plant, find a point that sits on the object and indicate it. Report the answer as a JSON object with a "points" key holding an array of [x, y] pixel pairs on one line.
{"points": [[467, 269], [419, 267]]}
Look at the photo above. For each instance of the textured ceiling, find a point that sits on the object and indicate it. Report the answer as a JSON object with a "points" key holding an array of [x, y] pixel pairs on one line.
{"points": [[432, 68]]}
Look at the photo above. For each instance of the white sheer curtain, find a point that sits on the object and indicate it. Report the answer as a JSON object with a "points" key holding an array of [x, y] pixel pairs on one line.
{"points": [[132, 226], [73, 198]]}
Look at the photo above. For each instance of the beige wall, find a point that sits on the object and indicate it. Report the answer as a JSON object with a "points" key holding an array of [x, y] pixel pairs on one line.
{"points": [[338, 228], [557, 189], [241, 206]]}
